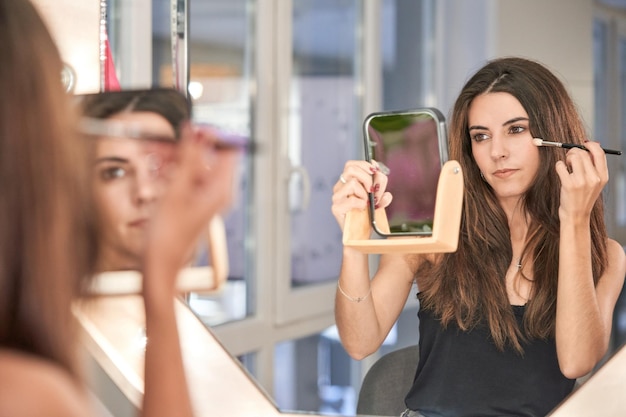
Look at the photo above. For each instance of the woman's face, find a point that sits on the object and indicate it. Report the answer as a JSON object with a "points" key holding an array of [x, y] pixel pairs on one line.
{"points": [[502, 144], [127, 181]]}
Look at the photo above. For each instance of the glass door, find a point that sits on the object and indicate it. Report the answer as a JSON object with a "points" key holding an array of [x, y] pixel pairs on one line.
{"points": [[609, 41], [320, 113], [221, 85]]}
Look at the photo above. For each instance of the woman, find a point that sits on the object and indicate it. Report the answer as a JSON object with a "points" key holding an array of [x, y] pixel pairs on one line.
{"points": [[48, 239], [126, 173], [524, 306]]}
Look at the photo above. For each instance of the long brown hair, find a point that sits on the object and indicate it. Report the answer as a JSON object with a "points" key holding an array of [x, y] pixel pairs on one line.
{"points": [[467, 287], [47, 236]]}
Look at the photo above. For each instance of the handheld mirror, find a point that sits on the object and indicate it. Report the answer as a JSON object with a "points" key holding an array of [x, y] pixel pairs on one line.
{"points": [[410, 147]]}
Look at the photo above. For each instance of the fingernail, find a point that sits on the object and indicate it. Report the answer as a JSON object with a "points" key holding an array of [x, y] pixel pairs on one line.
{"points": [[376, 187], [373, 169]]}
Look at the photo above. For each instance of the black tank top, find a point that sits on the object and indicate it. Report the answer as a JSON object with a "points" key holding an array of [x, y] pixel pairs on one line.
{"points": [[462, 374]]}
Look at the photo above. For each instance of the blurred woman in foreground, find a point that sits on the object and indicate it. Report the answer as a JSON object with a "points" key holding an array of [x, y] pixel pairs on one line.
{"points": [[48, 237]]}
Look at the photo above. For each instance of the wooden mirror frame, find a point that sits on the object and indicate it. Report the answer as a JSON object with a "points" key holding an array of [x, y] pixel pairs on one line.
{"points": [[357, 231], [203, 279]]}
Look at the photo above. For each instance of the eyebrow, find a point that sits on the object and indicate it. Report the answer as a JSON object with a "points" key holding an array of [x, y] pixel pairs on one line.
{"points": [[508, 122], [111, 159]]}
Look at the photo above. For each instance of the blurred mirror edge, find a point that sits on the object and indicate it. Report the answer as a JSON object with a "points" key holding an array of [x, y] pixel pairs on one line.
{"points": [[113, 333]]}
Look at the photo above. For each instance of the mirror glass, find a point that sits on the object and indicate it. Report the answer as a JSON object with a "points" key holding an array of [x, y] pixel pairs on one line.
{"points": [[134, 135], [410, 147]]}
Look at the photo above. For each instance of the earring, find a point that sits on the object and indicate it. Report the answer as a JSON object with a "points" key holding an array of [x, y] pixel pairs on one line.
{"points": [[482, 176]]}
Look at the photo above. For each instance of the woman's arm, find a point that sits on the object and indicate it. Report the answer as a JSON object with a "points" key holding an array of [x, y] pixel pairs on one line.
{"points": [[584, 310], [366, 310], [364, 325], [201, 185]]}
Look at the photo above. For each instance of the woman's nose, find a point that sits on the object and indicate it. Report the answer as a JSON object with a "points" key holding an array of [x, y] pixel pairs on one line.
{"points": [[499, 147], [146, 190]]}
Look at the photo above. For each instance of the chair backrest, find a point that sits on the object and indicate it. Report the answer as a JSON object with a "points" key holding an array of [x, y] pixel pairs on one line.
{"points": [[387, 382]]}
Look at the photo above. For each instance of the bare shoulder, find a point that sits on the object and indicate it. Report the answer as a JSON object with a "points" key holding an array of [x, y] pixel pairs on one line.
{"points": [[612, 280], [616, 244], [617, 257], [30, 386]]}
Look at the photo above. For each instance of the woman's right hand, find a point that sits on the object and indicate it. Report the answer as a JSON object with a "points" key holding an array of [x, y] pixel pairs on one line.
{"points": [[200, 184], [355, 182]]}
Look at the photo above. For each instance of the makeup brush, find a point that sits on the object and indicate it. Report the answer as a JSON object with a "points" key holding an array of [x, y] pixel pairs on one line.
{"points": [[541, 142]]}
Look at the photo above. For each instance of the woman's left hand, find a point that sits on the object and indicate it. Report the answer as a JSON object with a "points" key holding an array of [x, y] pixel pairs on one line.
{"points": [[583, 175]]}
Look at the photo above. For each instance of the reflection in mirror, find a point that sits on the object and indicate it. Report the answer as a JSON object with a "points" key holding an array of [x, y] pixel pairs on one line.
{"points": [[127, 175], [410, 147], [134, 135]]}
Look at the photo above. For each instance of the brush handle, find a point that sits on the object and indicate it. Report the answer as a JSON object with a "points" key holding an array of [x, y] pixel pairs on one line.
{"points": [[575, 145]]}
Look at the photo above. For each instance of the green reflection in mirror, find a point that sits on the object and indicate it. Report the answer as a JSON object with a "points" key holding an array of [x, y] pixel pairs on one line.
{"points": [[410, 148]]}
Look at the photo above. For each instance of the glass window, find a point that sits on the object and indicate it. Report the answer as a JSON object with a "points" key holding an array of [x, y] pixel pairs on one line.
{"points": [[620, 187], [323, 130], [221, 56], [407, 38], [610, 108], [601, 78], [619, 316], [609, 39], [315, 373]]}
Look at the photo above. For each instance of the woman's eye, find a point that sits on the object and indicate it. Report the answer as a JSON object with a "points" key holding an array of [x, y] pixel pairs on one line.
{"points": [[517, 129], [479, 137], [112, 173]]}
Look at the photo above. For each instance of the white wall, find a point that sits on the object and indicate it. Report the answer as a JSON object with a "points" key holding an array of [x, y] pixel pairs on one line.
{"points": [[66, 19], [558, 33]]}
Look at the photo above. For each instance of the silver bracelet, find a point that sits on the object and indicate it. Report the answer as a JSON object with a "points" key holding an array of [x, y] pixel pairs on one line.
{"points": [[357, 299]]}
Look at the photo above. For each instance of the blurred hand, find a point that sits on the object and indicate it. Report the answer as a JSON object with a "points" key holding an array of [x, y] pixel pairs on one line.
{"points": [[200, 184]]}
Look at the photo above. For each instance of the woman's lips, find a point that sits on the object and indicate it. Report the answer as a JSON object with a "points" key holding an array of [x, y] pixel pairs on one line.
{"points": [[504, 173], [138, 223]]}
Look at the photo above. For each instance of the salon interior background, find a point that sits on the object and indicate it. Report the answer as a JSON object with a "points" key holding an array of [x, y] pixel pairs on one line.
{"points": [[297, 77]]}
